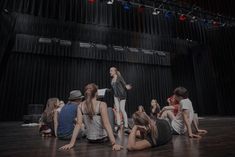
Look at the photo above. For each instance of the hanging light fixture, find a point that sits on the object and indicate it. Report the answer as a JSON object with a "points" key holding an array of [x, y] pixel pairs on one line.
{"points": [[141, 8], [182, 17], [110, 2], [156, 12], [205, 22], [91, 1], [127, 6], [215, 23], [168, 14], [193, 19]]}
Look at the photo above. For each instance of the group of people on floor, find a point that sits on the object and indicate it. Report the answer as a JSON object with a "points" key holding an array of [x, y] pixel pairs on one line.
{"points": [[87, 117]]}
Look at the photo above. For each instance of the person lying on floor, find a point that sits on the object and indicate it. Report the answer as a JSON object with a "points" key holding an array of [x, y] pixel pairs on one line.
{"points": [[95, 117], [181, 123], [152, 133]]}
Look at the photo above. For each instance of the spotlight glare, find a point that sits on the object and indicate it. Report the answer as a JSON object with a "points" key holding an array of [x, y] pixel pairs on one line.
{"points": [[193, 19], [156, 12], [110, 2], [215, 23]]}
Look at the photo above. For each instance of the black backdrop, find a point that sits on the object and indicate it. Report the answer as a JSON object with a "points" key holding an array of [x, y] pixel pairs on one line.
{"points": [[31, 71]]}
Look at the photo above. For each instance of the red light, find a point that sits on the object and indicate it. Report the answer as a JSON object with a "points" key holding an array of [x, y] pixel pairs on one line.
{"points": [[141, 9], [91, 1], [182, 17], [215, 23]]}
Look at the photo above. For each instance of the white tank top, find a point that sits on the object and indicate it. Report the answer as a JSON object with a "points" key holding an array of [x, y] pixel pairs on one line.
{"points": [[94, 127]]}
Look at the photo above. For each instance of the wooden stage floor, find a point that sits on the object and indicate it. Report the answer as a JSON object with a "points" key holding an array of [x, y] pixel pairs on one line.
{"points": [[18, 141]]}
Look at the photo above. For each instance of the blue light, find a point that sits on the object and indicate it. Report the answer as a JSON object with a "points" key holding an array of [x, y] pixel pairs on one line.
{"points": [[168, 14], [127, 6]]}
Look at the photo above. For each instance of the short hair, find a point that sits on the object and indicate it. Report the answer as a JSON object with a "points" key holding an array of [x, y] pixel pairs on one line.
{"points": [[181, 91]]}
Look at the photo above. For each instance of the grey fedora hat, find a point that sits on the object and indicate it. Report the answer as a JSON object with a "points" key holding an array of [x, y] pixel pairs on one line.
{"points": [[75, 94]]}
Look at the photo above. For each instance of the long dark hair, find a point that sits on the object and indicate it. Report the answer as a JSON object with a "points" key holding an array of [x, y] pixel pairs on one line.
{"points": [[141, 118], [90, 92]]}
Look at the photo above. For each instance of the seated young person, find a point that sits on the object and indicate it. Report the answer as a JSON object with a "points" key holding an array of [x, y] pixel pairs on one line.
{"points": [[181, 123], [95, 117]]}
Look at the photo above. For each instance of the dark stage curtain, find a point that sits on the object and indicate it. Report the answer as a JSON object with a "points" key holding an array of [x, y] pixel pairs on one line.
{"points": [[7, 35], [32, 78], [222, 48], [31, 71]]}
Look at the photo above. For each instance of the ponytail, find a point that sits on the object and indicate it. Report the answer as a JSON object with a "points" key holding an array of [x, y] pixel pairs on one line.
{"points": [[89, 106], [90, 93]]}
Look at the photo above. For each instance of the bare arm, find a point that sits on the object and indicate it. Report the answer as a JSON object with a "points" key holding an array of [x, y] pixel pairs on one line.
{"points": [[56, 122], [168, 108], [127, 86], [136, 145], [195, 124], [107, 126], [188, 125], [75, 131]]}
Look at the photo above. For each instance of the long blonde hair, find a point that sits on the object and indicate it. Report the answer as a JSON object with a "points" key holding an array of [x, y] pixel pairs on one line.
{"points": [[141, 118], [50, 107], [90, 92]]}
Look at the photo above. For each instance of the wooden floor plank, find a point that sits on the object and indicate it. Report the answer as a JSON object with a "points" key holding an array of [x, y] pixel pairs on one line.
{"points": [[18, 141]]}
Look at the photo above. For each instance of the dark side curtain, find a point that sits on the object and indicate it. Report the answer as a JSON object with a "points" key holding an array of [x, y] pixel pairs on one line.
{"points": [[222, 50]]}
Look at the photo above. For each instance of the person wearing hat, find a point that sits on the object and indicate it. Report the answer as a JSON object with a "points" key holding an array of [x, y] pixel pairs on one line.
{"points": [[67, 116]]}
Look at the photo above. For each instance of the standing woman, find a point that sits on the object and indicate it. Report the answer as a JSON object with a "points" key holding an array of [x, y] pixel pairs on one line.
{"points": [[119, 87]]}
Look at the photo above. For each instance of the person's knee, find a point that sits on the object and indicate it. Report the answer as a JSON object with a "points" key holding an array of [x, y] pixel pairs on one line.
{"points": [[123, 110]]}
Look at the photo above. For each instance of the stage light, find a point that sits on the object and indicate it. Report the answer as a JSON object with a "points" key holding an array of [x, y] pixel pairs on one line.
{"points": [[65, 43], [5, 10], [223, 24], [110, 2], [215, 23], [141, 8], [91, 1], [118, 48], [45, 40], [205, 22], [168, 14], [84, 45], [182, 17], [193, 19], [127, 6], [156, 12]]}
